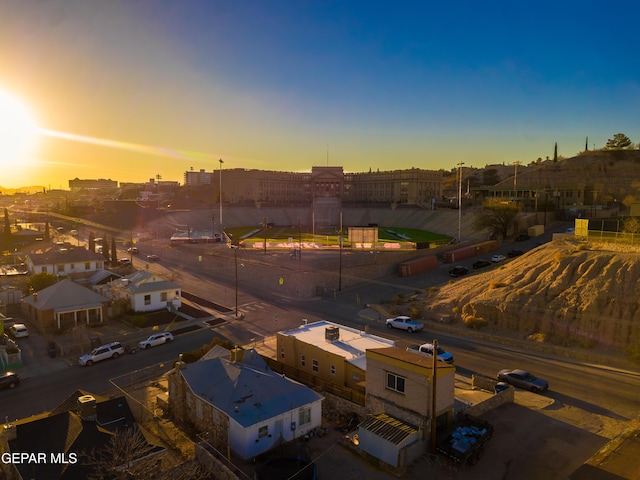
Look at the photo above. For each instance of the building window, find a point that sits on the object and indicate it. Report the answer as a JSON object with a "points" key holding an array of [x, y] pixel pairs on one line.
{"points": [[395, 382], [263, 431], [87, 265], [355, 376], [163, 296], [147, 299], [60, 268], [332, 369], [304, 416], [303, 362], [314, 365], [282, 353], [72, 266], [43, 269]]}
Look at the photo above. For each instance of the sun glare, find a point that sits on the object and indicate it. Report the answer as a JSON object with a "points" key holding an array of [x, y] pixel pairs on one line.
{"points": [[18, 130]]}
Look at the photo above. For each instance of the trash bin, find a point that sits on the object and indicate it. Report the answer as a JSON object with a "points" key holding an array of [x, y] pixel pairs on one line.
{"points": [[52, 353]]}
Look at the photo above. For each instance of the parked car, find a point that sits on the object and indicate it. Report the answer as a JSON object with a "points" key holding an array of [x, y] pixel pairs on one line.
{"points": [[18, 330], [153, 258], [458, 271], [514, 253], [523, 379], [133, 250], [111, 350], [9, 380], [498, 258], [156, 339], [124, 261], [427, 349], [404, 323], [481, 264]]}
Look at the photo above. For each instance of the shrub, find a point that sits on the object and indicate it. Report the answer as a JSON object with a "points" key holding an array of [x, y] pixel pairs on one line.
{"points": [[583, 246], [475, 323], [415, 312], [633, 352], [455, 309], [494, 285], [398, 299]]}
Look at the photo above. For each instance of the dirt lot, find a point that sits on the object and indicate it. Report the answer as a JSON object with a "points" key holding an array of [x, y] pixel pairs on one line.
{"points": [[535, 437]]}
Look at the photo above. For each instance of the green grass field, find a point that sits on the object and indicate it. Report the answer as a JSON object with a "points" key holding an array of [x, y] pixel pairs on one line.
{"points": [[330, 237]]}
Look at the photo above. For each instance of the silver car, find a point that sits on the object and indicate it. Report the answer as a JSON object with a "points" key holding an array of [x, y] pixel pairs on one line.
{"points": [[156, 339]]}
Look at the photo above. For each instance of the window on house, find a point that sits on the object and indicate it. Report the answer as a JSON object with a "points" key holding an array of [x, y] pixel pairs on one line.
{"points": [[43, 269], [314, 365], [355, 376], [60, 268], [332, 369], [263, 431], [87, 265], [163, 296], [282, 353], [304, 416], [72, 266], [303, 361], [147, 299], [395, 382]]}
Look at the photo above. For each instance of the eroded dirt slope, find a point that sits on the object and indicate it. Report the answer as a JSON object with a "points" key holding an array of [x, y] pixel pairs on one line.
{"points": [[563, 291]]}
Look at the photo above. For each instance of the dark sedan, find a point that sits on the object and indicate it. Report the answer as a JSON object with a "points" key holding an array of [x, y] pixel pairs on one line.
{"points": [[458, 271], [523, 379], [9, 380], [481, 264], [515, 253]]}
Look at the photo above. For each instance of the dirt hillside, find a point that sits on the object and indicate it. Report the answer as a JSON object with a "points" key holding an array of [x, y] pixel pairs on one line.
{"points": [[564, 292]]}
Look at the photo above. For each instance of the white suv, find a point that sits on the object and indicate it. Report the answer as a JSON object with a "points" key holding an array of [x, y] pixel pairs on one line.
{"points": [[111, 350], [156, 339]]}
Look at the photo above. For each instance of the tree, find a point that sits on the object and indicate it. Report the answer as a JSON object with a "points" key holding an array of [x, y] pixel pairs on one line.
{"points": [[555, 153], [5, 241], [39, 281], [105, 249], [126, 455], [114, 251], [497, 215], [92, 242], [618, 142], [631, 225], [47, 234]]}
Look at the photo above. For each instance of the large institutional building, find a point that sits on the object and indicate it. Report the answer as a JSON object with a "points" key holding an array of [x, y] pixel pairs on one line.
{"points": [[239, 186]]}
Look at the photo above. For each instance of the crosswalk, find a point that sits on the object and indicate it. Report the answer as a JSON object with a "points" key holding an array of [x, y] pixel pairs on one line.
{"points": [[254, 307]]}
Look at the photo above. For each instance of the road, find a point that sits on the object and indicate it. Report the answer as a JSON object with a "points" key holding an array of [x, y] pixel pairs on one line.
{"points": [[41, 393]]}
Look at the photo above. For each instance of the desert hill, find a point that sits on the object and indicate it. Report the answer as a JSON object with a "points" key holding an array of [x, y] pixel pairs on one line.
{"points": [[564, 292]]}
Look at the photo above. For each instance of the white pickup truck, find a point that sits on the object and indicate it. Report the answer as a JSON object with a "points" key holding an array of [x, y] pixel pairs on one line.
{"points": [[404, 323], [427, 349]]}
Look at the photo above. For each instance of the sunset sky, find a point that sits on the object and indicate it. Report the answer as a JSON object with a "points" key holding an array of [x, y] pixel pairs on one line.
{"points": [[163, 86]]}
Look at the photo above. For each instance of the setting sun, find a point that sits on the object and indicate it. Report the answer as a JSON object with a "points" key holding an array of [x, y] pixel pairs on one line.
{"points": [[18, 130]]}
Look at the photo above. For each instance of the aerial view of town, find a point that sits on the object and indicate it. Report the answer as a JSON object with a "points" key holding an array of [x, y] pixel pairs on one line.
{"points": [[272, 240]]}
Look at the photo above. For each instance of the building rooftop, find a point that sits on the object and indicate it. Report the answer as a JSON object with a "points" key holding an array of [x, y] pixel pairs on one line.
{"points": [[349, 343]]}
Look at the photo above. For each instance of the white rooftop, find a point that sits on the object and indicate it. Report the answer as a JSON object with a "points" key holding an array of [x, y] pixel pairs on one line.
{"points": [[351, 344]]}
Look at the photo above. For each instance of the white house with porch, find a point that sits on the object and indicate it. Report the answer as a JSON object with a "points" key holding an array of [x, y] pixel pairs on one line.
{"points": [[64, 305]]}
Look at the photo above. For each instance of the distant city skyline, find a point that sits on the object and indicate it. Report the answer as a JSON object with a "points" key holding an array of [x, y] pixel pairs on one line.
{"points": [[130, 90]]}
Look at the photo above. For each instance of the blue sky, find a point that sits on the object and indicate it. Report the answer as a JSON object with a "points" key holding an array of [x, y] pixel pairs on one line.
{"points": [[283, 85]]}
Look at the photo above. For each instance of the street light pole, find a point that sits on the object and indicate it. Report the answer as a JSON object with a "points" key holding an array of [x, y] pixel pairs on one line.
{"points": [[460, 201], [235, 256], [220, 193]]}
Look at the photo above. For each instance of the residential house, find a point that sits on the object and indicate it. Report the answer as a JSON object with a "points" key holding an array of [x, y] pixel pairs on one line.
{"points": [[147, 291], [400, 395], [329, 351], [60, 439], [241, 403], [74, 262], [64, 305]]}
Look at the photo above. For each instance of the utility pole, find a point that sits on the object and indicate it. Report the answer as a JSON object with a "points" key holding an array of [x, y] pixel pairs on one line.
{"points": [[220, 193], [460, 202], [433, 396], [340, 239]]}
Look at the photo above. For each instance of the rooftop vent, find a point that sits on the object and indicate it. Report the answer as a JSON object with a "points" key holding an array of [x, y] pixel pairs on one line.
{"points": [[331, 334], [87, 407]]}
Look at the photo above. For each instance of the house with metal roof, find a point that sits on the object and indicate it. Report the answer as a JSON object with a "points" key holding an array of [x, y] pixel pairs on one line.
{"points": [[64, 305], [241, 403], [73, 262], [148, 291], [57, 442]]}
